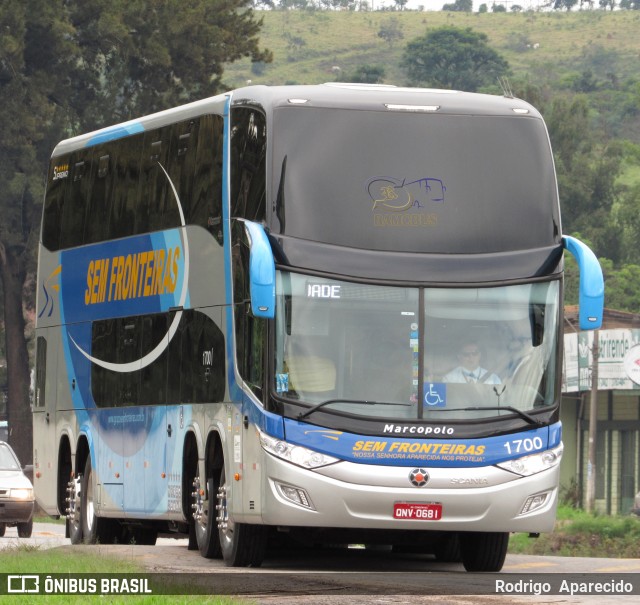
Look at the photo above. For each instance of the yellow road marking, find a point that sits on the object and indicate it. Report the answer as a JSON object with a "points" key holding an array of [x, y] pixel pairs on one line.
{"points": [[621, 567], [530, 565]]}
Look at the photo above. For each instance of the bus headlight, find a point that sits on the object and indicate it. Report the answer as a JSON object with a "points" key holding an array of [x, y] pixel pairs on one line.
{"points": [[535, 463], [295, 454]]}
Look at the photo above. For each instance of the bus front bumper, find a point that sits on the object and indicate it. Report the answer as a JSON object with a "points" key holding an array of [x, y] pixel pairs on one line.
{"points": [[365, 496]]}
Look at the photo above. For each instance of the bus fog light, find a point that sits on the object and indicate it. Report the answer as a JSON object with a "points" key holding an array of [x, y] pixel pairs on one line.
{"points": [[534, 502], [295, 494]]}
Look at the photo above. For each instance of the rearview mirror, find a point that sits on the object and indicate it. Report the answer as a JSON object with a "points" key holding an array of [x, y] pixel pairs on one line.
{"points": [[262, 272], [591, 288]]}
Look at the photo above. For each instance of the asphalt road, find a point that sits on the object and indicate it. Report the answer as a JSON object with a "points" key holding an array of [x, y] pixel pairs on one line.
{"points": [[336, 577]]}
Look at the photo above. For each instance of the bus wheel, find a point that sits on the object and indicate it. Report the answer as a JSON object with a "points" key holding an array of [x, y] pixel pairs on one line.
{"points": [[94, 529], [3, 527], [74, 509], [204, 516], [242, 545], [447, 550], [484, 551]]}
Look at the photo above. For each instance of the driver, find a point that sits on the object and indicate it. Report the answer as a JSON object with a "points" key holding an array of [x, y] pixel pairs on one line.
{"points": [[470, 369]]}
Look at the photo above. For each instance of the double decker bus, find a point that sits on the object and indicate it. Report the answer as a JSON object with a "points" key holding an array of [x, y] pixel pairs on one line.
{"points": [[252, 311]]}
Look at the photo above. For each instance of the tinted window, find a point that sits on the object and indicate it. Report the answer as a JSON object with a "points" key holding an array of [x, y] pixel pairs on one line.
{"points": [[191, 369], [414, 182], [126, 187], [99, 203], [54, 201], [248, 157], [153, 182], [76, 199], [41, 372], [206, 201]]}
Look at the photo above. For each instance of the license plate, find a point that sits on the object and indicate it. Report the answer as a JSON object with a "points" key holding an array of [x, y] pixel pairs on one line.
{"points": [[422, 511]]}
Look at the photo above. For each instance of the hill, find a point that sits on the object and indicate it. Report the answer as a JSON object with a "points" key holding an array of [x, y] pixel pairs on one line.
{"points": [[308, 44], [593, 52]]}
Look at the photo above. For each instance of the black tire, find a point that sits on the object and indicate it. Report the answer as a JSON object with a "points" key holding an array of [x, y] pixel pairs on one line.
{"points": [[25, 529], [448, 549], [484, 551], [3, 528], [193, 541], [206, 525], [242, 545], [94, 529]]}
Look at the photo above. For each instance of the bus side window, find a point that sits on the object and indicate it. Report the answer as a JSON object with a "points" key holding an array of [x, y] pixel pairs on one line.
{"points": [[41, 372], [256, 336], [153, 378], [97, 219], [207, 358], [215, 379], [129, 349], [154, 186], [76, 200], [104, 383], [174, 378], [181, 169], [126, 190], [248, 164], [54, 203], [206, 201]]}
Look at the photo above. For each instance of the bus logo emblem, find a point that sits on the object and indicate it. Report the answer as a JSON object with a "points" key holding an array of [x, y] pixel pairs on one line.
{"points": [[418, 477]]}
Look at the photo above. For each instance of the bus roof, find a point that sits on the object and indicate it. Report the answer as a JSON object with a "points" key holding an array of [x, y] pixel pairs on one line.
{"points": [[338, 95]]}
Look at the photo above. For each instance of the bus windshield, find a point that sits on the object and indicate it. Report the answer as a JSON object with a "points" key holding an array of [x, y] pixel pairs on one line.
{"points": [[410, 353], [413, 182]]}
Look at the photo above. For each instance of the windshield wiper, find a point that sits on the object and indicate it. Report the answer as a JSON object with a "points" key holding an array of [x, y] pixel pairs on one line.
{"points": [[523, 415], [311, 410]]}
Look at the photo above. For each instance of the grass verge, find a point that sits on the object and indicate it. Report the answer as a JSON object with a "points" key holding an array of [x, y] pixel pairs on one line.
{"points": [[581, 534], [25, 559]]}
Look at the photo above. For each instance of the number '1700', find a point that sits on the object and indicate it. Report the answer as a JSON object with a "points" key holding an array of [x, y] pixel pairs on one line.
{"points": [[524, 445]]}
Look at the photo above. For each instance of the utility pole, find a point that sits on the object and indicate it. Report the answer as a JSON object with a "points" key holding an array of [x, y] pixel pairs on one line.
{"points": [[593, 419]]}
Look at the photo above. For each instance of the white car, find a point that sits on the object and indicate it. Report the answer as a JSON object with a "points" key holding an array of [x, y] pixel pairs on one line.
{"points": [[636, 505], [16, 494]]}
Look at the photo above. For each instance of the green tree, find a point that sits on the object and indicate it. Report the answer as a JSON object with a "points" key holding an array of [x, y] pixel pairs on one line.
{"points": [[459, 6], [566, 4], [627, 218], [622, 286], [35, 46], [450, 57], [368, 74], [137, 57], [69, 67], [587, 168], [391, 31]]}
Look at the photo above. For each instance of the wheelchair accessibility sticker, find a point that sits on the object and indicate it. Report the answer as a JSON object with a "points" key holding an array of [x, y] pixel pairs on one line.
{"points": [[435, 394]]}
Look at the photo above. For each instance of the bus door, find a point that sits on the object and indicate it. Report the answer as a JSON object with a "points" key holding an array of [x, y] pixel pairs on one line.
{"points": [[45, 446], [249, 453]]}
